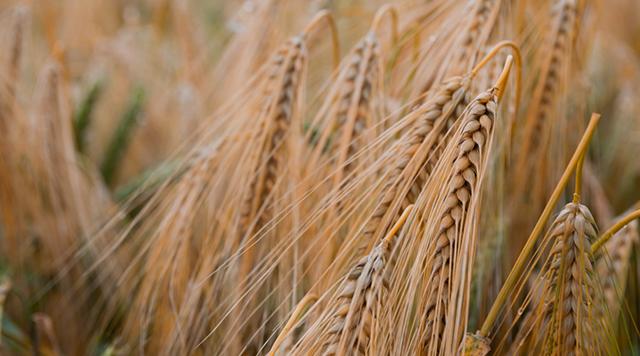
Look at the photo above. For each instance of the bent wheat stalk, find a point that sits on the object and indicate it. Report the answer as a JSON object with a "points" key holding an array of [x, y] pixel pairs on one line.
{"points": [[295, 316]]}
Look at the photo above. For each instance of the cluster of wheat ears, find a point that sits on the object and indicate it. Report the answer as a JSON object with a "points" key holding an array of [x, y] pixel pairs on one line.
{"points": [[286, 177]]}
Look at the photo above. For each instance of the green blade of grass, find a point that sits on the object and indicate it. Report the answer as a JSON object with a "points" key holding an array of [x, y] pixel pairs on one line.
{"points": [[148, 179], [121, 137], [83, 116]]}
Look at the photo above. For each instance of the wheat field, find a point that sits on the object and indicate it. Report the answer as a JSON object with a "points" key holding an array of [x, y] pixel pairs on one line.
{"points": [[319, 177]]}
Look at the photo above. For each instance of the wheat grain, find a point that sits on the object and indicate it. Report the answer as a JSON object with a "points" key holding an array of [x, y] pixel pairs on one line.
{"points": [[475, 345]]}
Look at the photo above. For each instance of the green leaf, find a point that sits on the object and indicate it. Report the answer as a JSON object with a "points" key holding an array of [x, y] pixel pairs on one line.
{"points": [[121, 137]]}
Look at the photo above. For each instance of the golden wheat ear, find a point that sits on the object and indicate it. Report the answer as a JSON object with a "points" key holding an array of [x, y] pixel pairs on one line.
{"points": [[276, 158], [557, 55], [457, 217], [454, 219], [614, 264], [419, 152], [349, 119], [349, 321], [570, 321], [528, 250], [10, 127], [566, 317]]}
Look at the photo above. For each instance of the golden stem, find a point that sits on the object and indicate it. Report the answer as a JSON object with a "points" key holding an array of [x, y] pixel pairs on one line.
{"points": [[504, 76], [308, 299], [391, 10], [615, 228], [399, 223], [578, 187], [330, 21]]}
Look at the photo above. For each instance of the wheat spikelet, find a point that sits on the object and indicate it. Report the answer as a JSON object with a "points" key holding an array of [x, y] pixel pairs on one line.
{"points": [[613, 266], [480, 23], [419, 152], [567, 324], [271, 146], [565, 310], [350, 115], [562, 39], [547, 91], [272, 153], [351, 98], [275, 121], [463, 186], [354, 107], [475, 345]]}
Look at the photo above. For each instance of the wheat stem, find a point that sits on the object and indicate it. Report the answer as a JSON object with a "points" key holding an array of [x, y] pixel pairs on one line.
{"points": [[518, 62], [399, 223], [331, 22], [578, 187], [308, 299], [504, 76], [393, 12], [615, 228]]}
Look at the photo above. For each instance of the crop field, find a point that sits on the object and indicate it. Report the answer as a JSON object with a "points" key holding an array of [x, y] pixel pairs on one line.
{"points": [[319, 177]]}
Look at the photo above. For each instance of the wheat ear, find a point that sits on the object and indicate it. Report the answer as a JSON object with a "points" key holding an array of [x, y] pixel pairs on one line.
{"points": [[570, 293], [348, 322]]}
